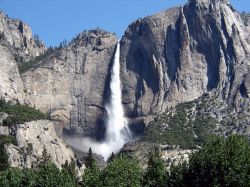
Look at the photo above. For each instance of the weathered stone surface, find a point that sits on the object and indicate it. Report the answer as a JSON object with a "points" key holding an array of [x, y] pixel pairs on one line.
{"points": [[170, 154], [11, 86], [4, 131], [175, 156], [168, 58], [181, 53], [33, 140], [72, 83], [16, 46], [17, 36]]}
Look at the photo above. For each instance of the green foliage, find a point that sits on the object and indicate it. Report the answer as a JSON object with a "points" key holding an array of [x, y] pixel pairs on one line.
{"points": [[187, 126], [176, 177], [47, 176], [11, 177], [29, 178], [221, 162], [14, 177], [50, 175], [3, 158], [92, 177], [200, 126], [178, 130], [155, 175], [7, 139], [25, 66], [71, 169], [122, 172], [18, 113]]}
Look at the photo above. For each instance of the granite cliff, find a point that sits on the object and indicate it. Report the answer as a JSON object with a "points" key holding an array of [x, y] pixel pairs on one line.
{"points": [[182, 53], [16, 46], [71, 84], [197, 53]]}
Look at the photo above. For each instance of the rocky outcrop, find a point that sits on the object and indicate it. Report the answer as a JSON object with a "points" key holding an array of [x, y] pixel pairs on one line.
{"points": [[16, 46], [181, 53], [17, 36], [37, 141], [11, 86], [174, 157], [72, 83], [171, 155]]}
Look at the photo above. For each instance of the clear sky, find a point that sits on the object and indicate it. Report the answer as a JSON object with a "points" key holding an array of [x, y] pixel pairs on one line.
{"points": [[56, 20]]}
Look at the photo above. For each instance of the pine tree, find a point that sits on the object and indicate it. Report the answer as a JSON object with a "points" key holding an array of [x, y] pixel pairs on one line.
{"points": [[111, 158], [155, 175], [92, 176], [220, 162], [89, 161], [123, 172]]}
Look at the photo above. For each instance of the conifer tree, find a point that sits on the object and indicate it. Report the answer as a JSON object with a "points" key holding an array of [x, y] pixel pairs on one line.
{"points": [[155, 175]]}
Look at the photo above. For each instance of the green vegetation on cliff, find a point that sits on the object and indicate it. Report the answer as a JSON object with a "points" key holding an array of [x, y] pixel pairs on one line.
{"points": [[18, 113], [25, 66], [187, 125]]}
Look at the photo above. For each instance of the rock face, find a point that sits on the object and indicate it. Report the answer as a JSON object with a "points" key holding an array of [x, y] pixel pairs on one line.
{"points": [[181, 53], [72, 83], [11, 86], [36, 140], [17, 36], [16, 46], [166, 59]]}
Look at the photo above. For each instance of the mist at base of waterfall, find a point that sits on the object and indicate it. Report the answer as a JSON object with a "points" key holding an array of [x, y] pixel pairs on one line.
{"points": [[105, 149]]}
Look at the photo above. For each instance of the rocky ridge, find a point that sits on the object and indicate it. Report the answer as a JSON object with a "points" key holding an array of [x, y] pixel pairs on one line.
{"points": [[18, 37]]}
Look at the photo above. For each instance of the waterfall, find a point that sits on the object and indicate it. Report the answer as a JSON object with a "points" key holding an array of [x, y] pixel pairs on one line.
{"points": [[117, 131]]}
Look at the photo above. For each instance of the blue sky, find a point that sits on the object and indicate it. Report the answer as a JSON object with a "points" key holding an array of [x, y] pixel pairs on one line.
{"points": [[56, 20]]}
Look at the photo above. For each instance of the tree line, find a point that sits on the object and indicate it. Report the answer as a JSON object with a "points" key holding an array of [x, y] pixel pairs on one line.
{"points": [[220, 162]]}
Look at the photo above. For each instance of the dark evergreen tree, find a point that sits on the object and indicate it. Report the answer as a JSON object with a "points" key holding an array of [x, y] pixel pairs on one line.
{"points": [[155, 175], [111, 158], [220, 162], [123, 172], [71, 169], [92, 176], [89, 160], [3, 158]]}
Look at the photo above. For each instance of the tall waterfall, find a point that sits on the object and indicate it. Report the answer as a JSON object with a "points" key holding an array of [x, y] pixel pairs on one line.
{"points": [[117, 131]]}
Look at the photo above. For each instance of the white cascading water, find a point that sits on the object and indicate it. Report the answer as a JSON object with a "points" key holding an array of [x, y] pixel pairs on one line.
{"points": [[117, 131]]}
